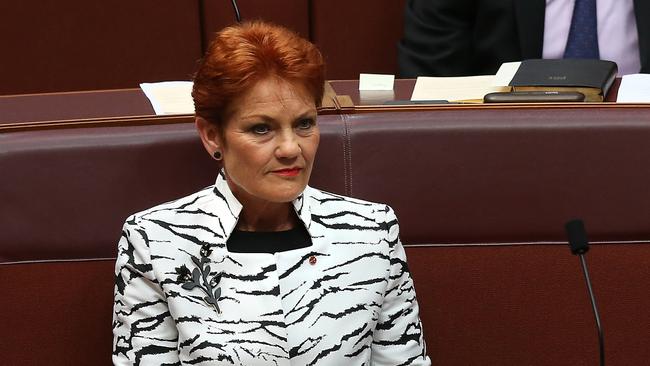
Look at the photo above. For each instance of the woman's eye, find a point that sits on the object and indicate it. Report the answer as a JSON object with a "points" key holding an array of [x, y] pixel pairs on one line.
{"points": [[305, 124], [260, 129]]}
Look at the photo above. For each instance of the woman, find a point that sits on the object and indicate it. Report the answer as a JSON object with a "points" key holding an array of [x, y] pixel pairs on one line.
{"points": [[261, 269]]}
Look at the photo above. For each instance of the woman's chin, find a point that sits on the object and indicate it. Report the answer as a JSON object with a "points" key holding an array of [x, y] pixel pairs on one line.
{"points": [[285, 192], [285, 196]]}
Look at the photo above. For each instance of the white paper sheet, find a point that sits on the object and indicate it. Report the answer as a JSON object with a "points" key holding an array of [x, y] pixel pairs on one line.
{"points": [[376, 81], [634, 88], [460, 88], [505, 74], [170, 97]]}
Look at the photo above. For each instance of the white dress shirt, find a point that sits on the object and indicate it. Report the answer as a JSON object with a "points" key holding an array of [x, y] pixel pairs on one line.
{"points": [[618, 38]]}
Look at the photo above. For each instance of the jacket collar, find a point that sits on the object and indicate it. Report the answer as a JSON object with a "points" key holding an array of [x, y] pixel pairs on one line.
{"points": [[233, 207]]}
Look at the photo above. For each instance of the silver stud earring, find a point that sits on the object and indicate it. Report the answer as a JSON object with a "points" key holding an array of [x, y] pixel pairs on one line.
{"points": [[217, 155]]}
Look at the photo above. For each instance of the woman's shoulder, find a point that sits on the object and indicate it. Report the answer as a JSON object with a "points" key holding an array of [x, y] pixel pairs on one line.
{"points": [[193, 201], [325, 196], [332, 202]]}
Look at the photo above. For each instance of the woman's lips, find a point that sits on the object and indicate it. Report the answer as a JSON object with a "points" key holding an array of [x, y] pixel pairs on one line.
{"points": [[291, 172]]}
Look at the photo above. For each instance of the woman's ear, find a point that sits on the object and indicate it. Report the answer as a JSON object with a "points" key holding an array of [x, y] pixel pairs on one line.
{"points": [[210, 135]]}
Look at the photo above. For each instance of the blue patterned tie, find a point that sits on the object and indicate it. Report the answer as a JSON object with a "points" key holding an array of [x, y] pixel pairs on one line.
{"points": [[583, 34]]}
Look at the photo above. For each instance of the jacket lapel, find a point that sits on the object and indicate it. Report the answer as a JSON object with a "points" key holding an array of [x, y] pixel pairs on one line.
{"points": [[228, 207], [529, 15], [642, 12]]}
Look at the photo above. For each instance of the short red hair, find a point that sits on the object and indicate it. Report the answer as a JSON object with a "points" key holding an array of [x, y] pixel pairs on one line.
{"points": [[243, 54]]}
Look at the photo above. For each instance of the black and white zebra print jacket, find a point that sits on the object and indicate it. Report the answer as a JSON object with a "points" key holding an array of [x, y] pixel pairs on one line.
{"points": [[182, 298]]}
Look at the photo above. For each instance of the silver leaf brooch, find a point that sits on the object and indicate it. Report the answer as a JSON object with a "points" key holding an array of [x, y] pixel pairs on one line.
{"points": [[202, 277]]}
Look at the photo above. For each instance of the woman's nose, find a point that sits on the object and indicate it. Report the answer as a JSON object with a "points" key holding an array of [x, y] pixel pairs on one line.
{"points": [[288, 146]]}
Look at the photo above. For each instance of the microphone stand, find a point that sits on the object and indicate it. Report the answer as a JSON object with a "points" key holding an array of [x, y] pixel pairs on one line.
{"points": [[579, 245], [237, 15], [601, 339]]}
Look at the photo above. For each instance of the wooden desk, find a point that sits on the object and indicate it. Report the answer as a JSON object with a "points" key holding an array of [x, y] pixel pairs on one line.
{"points": [[78, 109], [375, 101], [131, 106]]}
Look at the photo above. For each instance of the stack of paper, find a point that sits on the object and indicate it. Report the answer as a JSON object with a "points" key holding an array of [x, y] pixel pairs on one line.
{"points": [[456, 89], [464, 88], [170, 97], [634, 88]]}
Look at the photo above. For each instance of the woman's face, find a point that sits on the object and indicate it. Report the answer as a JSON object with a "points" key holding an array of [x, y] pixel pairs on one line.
{"points": [[269, 142]]}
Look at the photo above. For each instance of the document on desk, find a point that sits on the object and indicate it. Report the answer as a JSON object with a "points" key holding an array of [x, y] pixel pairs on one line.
{"points": [[455, 89], [170, 97], [634, 88]]}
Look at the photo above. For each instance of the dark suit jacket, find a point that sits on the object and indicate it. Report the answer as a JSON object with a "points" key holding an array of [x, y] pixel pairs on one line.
{"points": [[474, 37]]}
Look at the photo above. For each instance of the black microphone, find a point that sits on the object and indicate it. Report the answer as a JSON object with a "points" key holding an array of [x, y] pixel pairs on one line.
{"points": [[579, 244], [575, 230], [204, 41], [237, 15]]}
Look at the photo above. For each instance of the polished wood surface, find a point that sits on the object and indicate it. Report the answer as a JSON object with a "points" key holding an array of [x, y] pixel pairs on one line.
{"points": [[403, 88], [74, 105], [131, 106], [80, 109]]}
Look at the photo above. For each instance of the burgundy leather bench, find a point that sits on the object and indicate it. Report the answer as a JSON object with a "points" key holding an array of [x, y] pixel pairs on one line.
{"points": [[65, 194], [482, 196]]}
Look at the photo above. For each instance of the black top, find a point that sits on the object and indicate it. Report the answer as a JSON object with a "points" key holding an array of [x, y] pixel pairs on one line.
{"points": [[268, 242]]}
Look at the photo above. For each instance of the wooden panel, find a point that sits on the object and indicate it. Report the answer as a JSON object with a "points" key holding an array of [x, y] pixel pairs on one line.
{"points": [[58, 314], [357, 36], [68, 45], [292, 14], [528, 305]]}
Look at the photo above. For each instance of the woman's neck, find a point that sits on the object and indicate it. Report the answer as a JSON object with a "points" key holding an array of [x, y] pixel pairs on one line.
{"points": [[261, 215], [267, 217]]}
